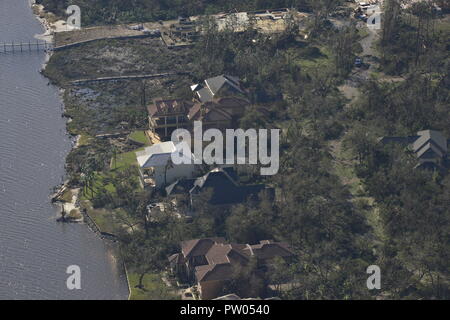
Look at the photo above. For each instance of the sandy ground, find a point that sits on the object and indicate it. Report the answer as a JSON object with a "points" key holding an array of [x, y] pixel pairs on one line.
{"points": [[69, 206], [50, 27], [360, 75]]}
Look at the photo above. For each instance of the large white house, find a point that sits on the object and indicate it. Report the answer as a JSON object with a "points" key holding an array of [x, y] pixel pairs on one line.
{"points": [[156, 167]]}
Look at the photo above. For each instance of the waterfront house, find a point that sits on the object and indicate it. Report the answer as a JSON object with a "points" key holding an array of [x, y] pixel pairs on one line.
{"points": [[218, 102], [157, 169], [211, 262], [167, 115]]}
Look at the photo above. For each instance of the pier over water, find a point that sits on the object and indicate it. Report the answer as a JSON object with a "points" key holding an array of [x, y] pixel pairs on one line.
{"points": [[24, 46]]}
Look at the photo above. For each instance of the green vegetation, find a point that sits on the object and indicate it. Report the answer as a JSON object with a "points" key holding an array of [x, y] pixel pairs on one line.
{"points": [[117, 11], [125, 160], [105, 219], [153, 288], [414, 40], [139, 137], [344, 202]]}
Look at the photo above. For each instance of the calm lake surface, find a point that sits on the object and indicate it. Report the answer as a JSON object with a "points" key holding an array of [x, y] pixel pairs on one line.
{"points": [[35, 250]]}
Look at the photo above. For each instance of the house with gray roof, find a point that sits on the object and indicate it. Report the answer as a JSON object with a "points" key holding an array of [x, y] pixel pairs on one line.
{"points": [[225, 190], [429, 146], [219, 86]]}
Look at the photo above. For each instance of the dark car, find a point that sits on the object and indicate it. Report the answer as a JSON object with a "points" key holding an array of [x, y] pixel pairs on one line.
{"points": [[362, 17], [358, 62]]}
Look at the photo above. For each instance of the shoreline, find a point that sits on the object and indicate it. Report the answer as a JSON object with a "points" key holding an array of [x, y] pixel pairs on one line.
{"points": [[48, 35], [74, 204], [50, 27]]}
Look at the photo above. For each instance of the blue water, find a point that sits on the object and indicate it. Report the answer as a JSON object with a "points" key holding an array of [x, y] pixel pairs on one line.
{"points": [[35, 250]]}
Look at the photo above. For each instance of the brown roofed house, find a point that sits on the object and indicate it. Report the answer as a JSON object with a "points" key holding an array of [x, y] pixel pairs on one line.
{"points": [[211, 262], [166, 115], [218, 102]]}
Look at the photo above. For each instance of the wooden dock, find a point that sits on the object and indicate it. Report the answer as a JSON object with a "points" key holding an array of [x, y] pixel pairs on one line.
{"points": [[23, 46]]}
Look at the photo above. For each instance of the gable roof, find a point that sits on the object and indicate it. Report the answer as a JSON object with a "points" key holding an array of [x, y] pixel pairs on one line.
{"points": [[216, 83], [205, 94], [214, 178], [225, 253], [220, 259], [201, 111], [225, 190], [215, 272], [223, 258], [427, 136], [430, 146], [198, 246], [159, 154], [212, 86], [268, 249]]}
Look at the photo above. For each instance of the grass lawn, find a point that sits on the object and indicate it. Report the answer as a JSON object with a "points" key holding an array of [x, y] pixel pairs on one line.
{"points": [[140, 137], [125, 160], [103, 179], [154, 288], [104, 219], [312, 58], [100, 180]]}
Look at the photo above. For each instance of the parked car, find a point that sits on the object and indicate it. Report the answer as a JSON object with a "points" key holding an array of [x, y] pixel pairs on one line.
{"points": [[358, 62], [363, 17]]}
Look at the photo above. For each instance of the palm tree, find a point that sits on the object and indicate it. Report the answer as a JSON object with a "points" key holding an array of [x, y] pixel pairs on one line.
{"points": [[87, 171]]}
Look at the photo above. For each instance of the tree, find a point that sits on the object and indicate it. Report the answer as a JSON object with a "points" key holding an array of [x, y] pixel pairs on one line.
{"points": [[114, 152], [137, 207], [246, 281], [144, 255], [390, 22], [250, 224], [321, 10], [279, 273]]}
